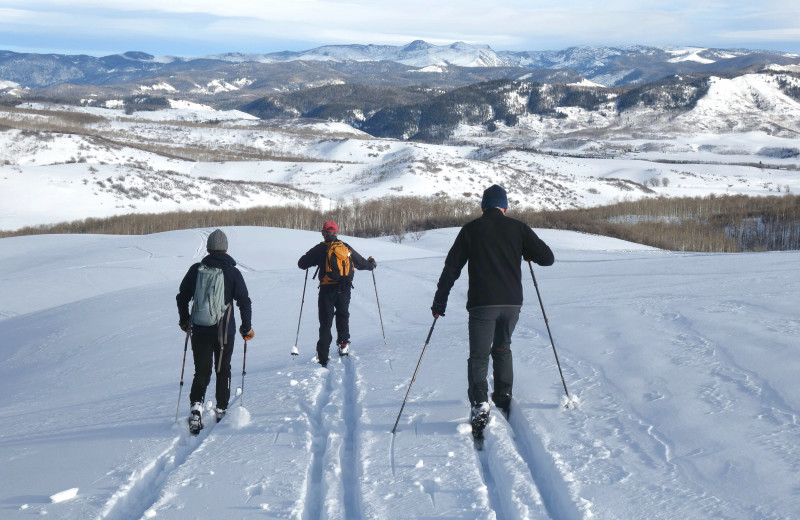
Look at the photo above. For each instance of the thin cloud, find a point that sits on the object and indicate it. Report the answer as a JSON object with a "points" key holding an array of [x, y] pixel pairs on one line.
{"points": [[206, 26]]}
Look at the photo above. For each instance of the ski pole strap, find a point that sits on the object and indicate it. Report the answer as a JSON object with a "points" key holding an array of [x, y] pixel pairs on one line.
{"points": [[222, 333]]}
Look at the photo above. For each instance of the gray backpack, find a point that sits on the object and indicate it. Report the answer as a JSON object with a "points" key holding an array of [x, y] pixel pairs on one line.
{"points": [[209, 296]]}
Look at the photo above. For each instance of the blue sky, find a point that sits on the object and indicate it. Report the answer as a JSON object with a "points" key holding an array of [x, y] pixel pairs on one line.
{"points": [[202, 27]]}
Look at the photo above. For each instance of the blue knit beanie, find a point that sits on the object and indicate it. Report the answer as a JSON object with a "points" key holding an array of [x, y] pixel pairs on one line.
{"points": [[494, 197]]}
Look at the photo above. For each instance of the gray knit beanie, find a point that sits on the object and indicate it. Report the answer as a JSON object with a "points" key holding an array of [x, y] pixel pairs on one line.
{"points": [[217, 241]]}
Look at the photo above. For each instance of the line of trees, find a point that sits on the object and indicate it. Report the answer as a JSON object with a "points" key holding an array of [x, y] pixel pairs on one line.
{"points": [[709, 224], [730, 223]]}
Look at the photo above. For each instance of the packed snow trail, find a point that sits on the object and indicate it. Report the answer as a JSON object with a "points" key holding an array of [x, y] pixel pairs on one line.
{"points": [[685, 365]]}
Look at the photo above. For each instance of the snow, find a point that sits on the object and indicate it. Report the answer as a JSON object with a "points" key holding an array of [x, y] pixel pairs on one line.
{"points": [[5, 84], [684, 366], [586, 83], [437, 69], [158, 86], [690, 54], [65, 495]]}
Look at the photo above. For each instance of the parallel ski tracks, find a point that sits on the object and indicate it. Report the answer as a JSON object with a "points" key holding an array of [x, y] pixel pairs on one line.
{"points": [[315, 482], [334, 468], [512, 447], [144, 487], [552, 487], [351, 415]]}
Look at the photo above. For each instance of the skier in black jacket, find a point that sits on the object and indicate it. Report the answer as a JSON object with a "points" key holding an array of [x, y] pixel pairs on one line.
{"points": [[209, 342], [494, 246], [334, 296]]}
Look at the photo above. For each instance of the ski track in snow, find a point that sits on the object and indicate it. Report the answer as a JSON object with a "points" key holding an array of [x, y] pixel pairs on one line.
{"points": [[319, 434], [141, 493], [549, 481], [332, 486], [201, 250], [639, 445], [351, 416]]}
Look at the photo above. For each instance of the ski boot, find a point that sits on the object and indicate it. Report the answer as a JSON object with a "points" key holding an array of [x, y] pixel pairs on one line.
{"points": [[220, 413], [503, 402], [196, 419], [479, 418], [344, 348]]}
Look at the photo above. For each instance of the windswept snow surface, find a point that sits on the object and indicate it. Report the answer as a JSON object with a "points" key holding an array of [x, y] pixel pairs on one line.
{"points": [[685, 366]]}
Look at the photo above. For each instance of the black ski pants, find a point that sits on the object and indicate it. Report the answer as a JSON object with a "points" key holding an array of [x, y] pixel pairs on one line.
{"points": [[206, 353], [490, 330], [333, 302]]}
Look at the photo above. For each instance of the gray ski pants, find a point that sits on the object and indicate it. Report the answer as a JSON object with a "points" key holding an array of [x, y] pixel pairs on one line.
{"points": [[490, 330]]}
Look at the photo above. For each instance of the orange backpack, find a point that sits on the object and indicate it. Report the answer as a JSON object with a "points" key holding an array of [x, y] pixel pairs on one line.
{"points": [[338, 266]]}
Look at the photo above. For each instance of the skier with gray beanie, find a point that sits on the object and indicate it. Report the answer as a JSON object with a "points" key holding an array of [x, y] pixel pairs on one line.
{"points": [[213, 284], [494, 245]]}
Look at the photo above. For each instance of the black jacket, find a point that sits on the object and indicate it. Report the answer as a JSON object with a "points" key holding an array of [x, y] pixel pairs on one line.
{"points": [[316, 257], [494, 245], [235, 289]]}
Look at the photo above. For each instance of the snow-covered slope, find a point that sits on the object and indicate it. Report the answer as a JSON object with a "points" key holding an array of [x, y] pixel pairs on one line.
{"points": [[741, 137], [684, 364]]}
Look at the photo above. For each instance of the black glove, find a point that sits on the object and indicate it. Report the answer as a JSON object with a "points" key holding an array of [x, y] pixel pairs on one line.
{"points": [[372, 261], [184, 324], [437, 309], [246, 332]]}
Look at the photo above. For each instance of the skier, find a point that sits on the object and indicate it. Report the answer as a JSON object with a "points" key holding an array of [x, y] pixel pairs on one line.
{"points": [[335, 261], [494, 246], [213, 326]]}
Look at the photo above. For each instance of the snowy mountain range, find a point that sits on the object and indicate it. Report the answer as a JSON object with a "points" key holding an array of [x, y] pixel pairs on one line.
{"points": [[173, 142], [604, 65]]}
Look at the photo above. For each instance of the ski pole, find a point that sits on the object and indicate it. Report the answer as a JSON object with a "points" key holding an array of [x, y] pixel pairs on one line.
{"points": [[414, 377], [295, 352], [183, 366], [244, 360], [547, 323], [379, 306]]}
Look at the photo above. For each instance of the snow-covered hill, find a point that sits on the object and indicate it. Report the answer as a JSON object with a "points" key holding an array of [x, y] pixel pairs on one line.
{"points": [[79, 162], [684, 364]]}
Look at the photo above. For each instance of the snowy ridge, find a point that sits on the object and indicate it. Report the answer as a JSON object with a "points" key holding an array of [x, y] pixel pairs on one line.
{"points": [[683, 364]]}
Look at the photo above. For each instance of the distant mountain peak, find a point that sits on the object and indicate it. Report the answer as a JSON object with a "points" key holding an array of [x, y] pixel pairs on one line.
{"points": [[138, 56], [417, 45]]}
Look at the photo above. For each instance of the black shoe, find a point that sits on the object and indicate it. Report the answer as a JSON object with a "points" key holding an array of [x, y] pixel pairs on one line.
{"points": [[479, 418], [323, 363]]}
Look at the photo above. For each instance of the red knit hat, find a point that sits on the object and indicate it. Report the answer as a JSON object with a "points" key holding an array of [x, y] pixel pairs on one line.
{"points": [[330, 226]]}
